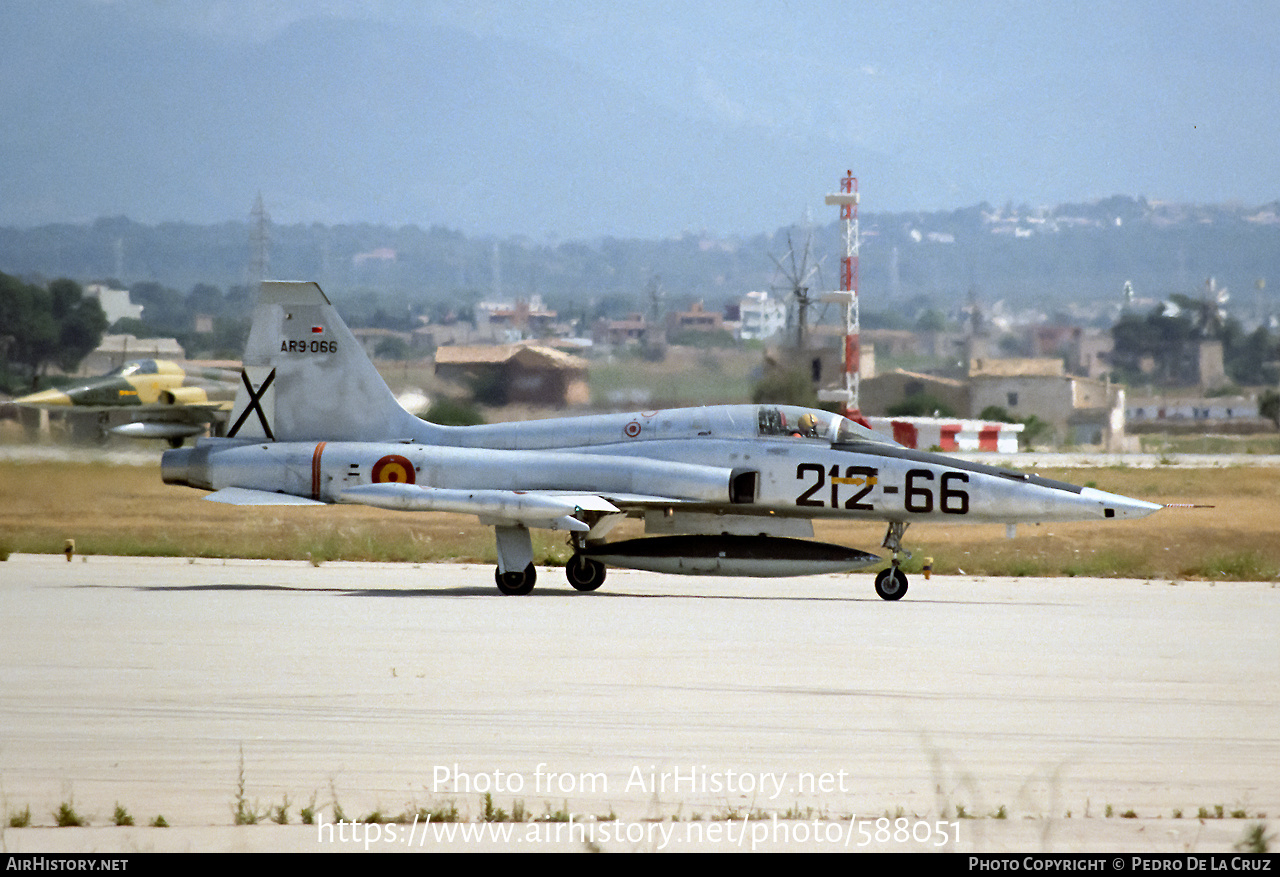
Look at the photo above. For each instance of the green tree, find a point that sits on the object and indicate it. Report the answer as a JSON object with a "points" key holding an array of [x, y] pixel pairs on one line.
{"points": [[1249, 358], [1170, 340], [932, 320], [205, 298], [1166, 338], [27, 328], [164, 310], [920, 405], [392, 347], [80, 323], [43, 327], [1269, 406], [1033, 427], [785, 387], [452, 412]]}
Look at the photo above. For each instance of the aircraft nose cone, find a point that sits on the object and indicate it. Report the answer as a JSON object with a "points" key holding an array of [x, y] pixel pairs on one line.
{"points": [[45, 397], [1116, 506]]}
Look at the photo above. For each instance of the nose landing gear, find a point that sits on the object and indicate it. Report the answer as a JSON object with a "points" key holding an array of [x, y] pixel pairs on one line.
{"points": [[891, 583], [584, 573]]}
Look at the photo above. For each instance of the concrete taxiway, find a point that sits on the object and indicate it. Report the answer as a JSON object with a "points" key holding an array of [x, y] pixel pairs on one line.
{"points": [[175, 687]]}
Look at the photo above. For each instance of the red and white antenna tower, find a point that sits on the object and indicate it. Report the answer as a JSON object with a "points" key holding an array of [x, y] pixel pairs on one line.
{"points": [[847, 199]]}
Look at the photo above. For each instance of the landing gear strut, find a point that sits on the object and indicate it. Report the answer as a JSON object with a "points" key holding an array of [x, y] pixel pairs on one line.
{"points": [[891, 583]]}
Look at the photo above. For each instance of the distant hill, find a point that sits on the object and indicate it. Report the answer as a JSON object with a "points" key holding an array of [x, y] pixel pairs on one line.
{"points": [[1051, 258], [338, 120]]}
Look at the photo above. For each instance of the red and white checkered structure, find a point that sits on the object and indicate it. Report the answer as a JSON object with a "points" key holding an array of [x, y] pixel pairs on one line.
{"points": [[948, 434]]}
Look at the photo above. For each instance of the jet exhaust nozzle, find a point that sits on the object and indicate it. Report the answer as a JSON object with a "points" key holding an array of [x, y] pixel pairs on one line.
{"points": [[186, 466]]}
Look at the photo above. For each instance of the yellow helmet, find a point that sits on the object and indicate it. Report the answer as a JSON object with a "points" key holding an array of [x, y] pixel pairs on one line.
{"points": [[808, 422]]}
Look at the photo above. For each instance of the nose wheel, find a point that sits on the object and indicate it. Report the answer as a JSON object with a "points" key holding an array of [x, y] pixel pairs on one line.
{"points": [[584, 573], [891, 583]]}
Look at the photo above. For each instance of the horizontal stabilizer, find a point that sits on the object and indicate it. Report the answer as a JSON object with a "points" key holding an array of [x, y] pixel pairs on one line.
{"points": [[245, 496]]}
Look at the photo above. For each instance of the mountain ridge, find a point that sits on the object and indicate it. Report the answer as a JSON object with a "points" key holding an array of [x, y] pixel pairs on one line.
{"points": [[1071, 253]]}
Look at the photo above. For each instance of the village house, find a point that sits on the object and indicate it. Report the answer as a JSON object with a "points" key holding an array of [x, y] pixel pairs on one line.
{"points": [[517, 373]]}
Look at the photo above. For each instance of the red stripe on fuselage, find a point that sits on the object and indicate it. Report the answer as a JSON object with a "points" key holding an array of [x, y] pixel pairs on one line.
{"points": [[315, 470]]}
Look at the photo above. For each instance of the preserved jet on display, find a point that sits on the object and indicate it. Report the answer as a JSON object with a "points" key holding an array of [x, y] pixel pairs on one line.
{"points": [[722, 490], [158, 398]]}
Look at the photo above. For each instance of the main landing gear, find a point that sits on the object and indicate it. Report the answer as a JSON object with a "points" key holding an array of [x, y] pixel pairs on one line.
{"points": [[516, 583], [516, 576], [583, 573], [891, 583]]}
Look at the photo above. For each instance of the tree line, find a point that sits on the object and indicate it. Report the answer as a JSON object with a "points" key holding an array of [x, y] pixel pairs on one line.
{"points": [[44, 326], [1170, 338]]}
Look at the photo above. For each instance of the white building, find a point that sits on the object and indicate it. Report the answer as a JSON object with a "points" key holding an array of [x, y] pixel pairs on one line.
{"points": [[115, 302], [761, 316], [1145, 410]]}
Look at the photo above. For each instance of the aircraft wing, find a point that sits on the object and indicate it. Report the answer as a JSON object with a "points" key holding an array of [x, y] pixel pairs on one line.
{"points": [[248, 496], [534, 509], [46, 399]]}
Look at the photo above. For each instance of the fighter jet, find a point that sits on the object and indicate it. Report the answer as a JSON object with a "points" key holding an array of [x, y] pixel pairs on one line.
{"points": [[724, 490], [160, 399]]}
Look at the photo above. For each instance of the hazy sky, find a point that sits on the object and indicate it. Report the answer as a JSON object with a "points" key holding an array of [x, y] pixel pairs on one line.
{"points": [[948, 103]]}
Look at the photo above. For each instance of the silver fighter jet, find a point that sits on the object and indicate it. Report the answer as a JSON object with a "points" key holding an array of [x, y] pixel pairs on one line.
{"points": [[725, 490]]}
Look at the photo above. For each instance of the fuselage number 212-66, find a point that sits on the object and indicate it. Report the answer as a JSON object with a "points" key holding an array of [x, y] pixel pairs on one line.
{"points": [[919, 493]]}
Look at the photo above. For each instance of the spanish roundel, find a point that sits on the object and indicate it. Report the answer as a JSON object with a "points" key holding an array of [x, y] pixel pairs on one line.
{"points": [[393, 468]]}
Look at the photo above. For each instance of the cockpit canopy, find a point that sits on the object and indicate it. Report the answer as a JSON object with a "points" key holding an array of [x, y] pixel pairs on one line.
{"points": [[813, 424], [134, 367]]}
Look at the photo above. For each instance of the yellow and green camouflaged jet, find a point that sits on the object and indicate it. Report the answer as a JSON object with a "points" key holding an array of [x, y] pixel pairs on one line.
{"points": [[155, 398]]}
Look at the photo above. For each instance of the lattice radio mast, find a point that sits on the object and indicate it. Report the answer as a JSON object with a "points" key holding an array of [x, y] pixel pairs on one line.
{"points": [[847, 200]]}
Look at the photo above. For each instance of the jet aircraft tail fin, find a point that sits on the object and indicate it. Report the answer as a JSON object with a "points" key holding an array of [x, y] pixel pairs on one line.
{"points": [[306, 377]]}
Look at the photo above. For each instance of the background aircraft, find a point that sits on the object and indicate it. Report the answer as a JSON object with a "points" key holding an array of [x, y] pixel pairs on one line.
{"points": [[146, 398], [724, 490]]}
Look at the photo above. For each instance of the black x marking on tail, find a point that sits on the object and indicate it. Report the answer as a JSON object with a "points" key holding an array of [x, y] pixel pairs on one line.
{"points": [[255, 404]]}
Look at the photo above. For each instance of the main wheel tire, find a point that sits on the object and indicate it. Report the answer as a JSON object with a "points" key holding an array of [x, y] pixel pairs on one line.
{"points": [[584, 573], [516, 584], [891, 584]]}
